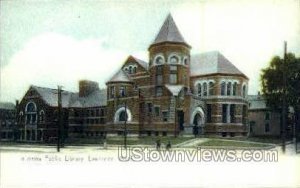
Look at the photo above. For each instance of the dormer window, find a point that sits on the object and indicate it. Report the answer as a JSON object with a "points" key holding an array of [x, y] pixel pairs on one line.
{"points": [[130, 70], [134, 70]]}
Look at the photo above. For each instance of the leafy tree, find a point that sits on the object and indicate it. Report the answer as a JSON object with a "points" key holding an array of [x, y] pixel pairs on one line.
{"points": [[273, 84]]}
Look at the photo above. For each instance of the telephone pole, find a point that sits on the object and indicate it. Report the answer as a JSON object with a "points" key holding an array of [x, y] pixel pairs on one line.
{"points": [[59, 118], [284, 104]]}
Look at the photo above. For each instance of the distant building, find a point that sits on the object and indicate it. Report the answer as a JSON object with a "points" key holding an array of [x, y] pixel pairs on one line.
{"points": [[262, 120], [83, 113], [7, 121]]}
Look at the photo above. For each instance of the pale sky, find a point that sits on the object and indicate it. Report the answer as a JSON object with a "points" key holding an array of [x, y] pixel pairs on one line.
{"points": [[58, 42]]}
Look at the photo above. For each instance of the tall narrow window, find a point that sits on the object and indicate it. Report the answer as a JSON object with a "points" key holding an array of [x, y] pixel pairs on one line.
{"points": [[199, 90], [158, 91], [159, 79], [31, 114], [234, 89], [224, 113], [244, 114], [156, 110], [42, 116], [244, 91], [208, 109], [267, 127], [149, 107], [122, 92], [232, 113], [211, 88], [112, 92], [205, 89], [165, 115], [229, 88], [134, 70], [223, 86], [130, 70], [173, 79]]}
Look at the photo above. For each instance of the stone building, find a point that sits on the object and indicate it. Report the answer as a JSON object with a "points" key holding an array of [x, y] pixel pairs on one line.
{"points": [[7, 121], [176, 92], [83, 113], [173, 93]]}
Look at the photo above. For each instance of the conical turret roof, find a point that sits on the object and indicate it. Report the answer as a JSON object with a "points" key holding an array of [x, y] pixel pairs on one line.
{"points": [[169, 32]]}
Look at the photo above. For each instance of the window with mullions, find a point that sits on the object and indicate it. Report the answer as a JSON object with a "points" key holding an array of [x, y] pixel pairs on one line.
{"points": [[157, 110], [173, 79], [211, 88], [205, 89], [122, 92], [229, 88], [199, 90]]}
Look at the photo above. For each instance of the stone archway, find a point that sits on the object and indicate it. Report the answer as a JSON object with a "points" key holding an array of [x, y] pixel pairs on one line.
{"points": [[198, 120], [119, 115]]}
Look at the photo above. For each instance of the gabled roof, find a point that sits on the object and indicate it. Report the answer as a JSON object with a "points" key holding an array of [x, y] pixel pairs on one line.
{"points": [[71, 99], [120, 76], [174, 89], [141, 62], [97, 98], [212, 63], [169, 32], [50, 96]]}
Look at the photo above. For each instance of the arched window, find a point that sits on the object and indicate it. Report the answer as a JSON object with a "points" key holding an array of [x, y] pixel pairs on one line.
{"points": [[234, 89], [205, 89], [223, 87], [122, 116], [130, 70], [185, 61], [134, 70], [42, 115], [31, 115], [244, 91], [211, 88], [229, 88], [199, 90], [159, 60], [126, 70], [174, 60]]}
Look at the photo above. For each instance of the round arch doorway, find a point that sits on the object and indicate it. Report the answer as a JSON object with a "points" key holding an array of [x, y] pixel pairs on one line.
{"points": [[198, 120]]}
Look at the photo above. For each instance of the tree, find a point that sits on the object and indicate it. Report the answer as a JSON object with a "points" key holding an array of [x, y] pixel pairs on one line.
{"points": [[272, 83]]}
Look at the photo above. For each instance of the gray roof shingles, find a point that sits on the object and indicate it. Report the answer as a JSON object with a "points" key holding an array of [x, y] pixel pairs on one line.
{"points": [[120, 76], [169, 32], [211, 63], [71, 99]]}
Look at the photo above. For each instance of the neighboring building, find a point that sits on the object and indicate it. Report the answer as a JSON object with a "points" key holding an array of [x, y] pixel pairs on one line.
{"points": [[83, 113], [7, 121], [262, 121], [176, 93]]}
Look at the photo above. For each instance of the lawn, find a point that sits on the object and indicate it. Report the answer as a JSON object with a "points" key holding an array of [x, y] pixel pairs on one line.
{"points": [[232, 143]]}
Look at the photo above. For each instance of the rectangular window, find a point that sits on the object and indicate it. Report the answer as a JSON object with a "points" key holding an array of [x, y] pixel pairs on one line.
{"points": [[122, 91], [165, 115], [158, 91], [267, 127], [173, 79], [267, 116], [157, 110], [232, 112], [149, 105], [173, 67], [224, 113], [112, 92], [159, 79], [208, 108], [159, 69]]}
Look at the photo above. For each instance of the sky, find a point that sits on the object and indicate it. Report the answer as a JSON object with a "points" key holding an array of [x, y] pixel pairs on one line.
{"points": [[59, 42]]}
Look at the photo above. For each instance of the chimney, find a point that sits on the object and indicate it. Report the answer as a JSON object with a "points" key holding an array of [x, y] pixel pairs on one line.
{"points": [[87, 87]]}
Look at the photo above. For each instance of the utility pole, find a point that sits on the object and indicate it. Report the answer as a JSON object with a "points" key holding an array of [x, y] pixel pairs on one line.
{"points": [[125, 127], [284, 104], [59, 119]]}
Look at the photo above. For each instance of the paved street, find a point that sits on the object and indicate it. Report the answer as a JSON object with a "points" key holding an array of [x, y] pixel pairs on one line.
{"points": [[36, 167]]}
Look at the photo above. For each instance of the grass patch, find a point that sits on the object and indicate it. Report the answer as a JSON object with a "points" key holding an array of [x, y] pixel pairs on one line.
{"points": [[231, 143]]}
